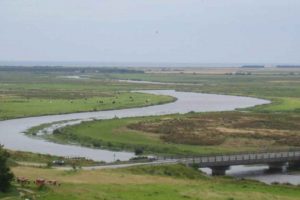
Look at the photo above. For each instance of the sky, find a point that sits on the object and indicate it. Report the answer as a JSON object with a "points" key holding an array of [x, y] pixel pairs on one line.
{"points": [[181, 31]]}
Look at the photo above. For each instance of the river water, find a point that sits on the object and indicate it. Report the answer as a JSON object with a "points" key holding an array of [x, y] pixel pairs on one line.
{"points": [[261, 173], [157, 83], [12, 137]]}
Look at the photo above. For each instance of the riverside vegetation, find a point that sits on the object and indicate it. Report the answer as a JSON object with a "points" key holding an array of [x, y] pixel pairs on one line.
{"points": [[160, 182], [267, 126], [188, 134], [250, 129], [35, 93]]}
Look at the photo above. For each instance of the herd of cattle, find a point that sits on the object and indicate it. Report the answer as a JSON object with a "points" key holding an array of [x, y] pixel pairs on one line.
{"points": [[39, 182]]}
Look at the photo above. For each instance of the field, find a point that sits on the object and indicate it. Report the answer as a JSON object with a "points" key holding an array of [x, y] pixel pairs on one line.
{"points": [[142, 183], [29, 94], [14, 107], [284, 104], [33, 159], [35, 92], [282, 87], [180, 135], [59, 92], [188, 134]]}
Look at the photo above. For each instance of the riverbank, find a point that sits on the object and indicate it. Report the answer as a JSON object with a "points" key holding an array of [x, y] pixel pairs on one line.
{"points": [[12, 108], [189, 134], [186, 102], [279, 86]]}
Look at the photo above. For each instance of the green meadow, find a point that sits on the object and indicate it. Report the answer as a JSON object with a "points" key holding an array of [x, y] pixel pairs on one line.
{"points": [[187, 134], [140, 183], [282, 87], [35, 92], [14, 107], [31, 94]]}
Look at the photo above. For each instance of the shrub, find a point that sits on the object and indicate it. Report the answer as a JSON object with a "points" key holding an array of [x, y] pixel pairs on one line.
{"points": [[5, 174], [138, 151]]}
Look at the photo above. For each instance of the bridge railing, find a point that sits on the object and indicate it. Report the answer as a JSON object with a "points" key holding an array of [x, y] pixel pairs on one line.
{"points": [[239, 157], [245, 157]]}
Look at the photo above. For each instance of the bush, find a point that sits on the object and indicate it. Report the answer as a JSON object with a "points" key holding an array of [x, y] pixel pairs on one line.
{"points": [[138, 151], [5, 174], [57, 131]]}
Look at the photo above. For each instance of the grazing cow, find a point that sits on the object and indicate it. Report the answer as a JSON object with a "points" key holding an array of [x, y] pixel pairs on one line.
{"points": [[23, 181], [53, 182], [40, 182]]}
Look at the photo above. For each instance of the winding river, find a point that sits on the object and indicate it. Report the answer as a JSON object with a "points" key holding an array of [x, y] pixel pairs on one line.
{"points": [[12, 137]]}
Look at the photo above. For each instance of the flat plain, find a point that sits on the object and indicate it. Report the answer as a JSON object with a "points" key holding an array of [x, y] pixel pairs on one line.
{"points": [[53, 92]]}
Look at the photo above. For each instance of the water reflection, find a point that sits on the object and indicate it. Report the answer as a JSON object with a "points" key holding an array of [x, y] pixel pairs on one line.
{"points": [[262, 173]]}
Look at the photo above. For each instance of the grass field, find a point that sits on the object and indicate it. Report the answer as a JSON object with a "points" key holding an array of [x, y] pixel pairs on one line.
{"points": [[27, 158], [142, 183], [14, 107], [41, 88], [276, 125], [188, 134], [30, 94], [283, 87], [282, 104]]}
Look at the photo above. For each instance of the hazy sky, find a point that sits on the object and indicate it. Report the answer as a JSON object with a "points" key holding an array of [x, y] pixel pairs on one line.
{"points": [[261, 31]]}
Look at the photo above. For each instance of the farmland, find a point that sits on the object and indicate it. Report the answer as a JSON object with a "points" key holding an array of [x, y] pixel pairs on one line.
{"points": [[161, 182], [34, 93], [24, 94], [215, 130], [188, 134]]}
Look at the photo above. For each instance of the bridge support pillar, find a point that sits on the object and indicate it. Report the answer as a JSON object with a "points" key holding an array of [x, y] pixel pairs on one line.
{"points": [[294, 165], [276, 166], [219, 170]]}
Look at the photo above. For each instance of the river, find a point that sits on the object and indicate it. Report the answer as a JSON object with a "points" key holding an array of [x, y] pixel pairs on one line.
{"points": [[12, 137], [261, 173]]}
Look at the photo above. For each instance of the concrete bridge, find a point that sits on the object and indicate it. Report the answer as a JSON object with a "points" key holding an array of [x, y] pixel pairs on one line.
{"points": [[220, 163]]}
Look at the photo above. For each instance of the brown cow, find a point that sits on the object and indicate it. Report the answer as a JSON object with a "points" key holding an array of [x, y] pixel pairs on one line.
{"points": [[40, 182], [23, 181]]}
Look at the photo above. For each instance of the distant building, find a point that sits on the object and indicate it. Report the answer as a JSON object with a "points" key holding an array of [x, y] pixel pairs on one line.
{"points": [[253, 66], [288, 66], [239, 73]]}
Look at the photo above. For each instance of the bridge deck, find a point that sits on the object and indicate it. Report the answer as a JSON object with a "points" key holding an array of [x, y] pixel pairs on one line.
{"points": [[243, 159]]}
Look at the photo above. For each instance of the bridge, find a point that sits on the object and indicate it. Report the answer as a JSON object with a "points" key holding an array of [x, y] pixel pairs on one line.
{"points": [[220, 163]]}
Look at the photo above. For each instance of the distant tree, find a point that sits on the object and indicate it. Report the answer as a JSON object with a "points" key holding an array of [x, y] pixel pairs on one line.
{"points": [[138, 151], [5, 174]]}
